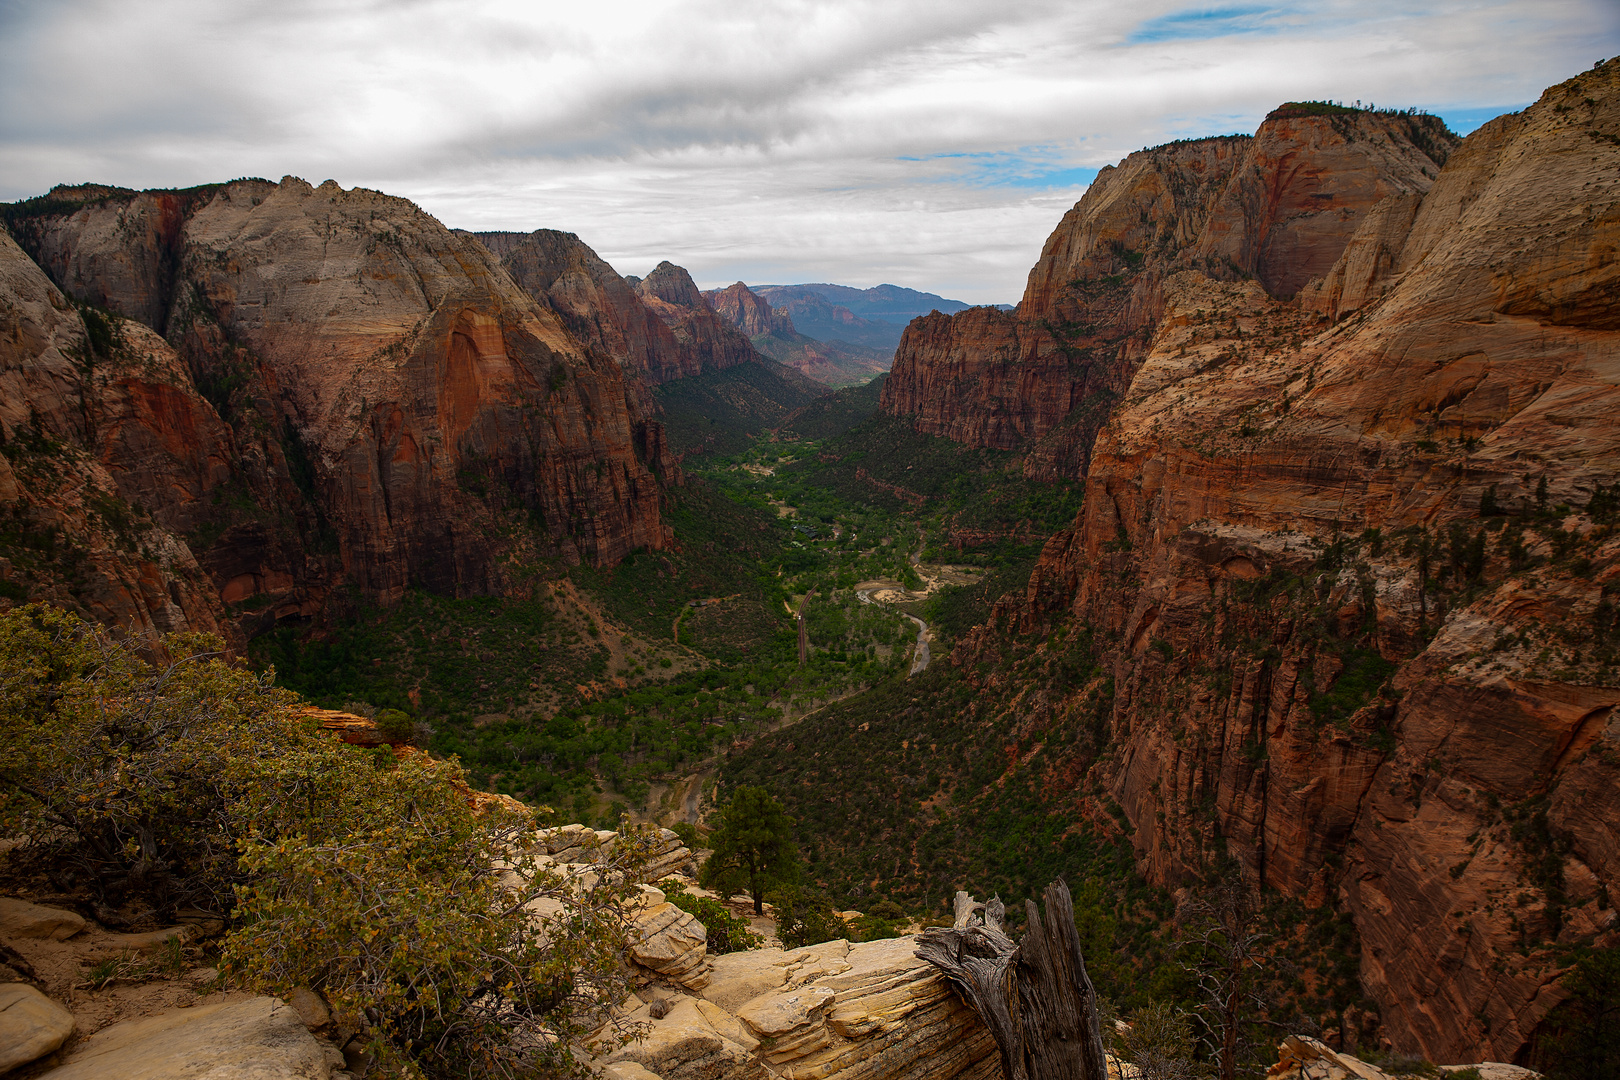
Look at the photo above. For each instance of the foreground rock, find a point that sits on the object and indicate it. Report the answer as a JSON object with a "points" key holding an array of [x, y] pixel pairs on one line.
{"points": [[31, 1025], [866, 1011], [1301, 1057], [20, 919], [261, 1038]]}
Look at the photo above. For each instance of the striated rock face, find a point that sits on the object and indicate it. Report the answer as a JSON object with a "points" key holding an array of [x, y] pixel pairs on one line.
{"points": [[376, 388], [835, 1011], [739, 306], [107, 457], [1356, 580], [1281, 207], [602, 309], [707, 341]]}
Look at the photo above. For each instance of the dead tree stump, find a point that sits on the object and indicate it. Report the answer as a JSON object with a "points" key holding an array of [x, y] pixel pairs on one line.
{"points": [[1035, 996]]}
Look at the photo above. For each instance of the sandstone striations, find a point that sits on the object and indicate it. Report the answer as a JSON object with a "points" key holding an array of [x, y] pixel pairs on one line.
{"points": [[362, 396], [1354, 580], [1280, 206]]}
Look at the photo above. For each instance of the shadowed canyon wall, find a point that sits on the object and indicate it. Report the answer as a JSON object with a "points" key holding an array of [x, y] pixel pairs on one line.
{"points": [[1348, 539]]}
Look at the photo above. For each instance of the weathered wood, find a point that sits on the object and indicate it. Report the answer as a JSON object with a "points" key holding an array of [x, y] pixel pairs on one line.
{"points": [[1035, 997]]}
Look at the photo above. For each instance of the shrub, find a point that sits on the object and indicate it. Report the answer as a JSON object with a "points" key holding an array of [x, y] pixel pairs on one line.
{"points": [[804, 918], [382, 893], [371, 878], [123, 772], [727, 933]]}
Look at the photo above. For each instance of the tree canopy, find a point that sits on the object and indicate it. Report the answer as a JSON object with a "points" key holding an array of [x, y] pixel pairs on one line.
{"points": [[753, 847]]}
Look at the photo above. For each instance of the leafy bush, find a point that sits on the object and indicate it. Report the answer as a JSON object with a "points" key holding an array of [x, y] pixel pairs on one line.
{"points": [[382, 892], [727, 933], [804, 918], [369, 877], [122, 772]]}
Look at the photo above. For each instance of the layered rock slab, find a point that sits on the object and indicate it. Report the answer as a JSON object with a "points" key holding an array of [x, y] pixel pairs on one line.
{"points": [[257, 1039], [851, 1011]]}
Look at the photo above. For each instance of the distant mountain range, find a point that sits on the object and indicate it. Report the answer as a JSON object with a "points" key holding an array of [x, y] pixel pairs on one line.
{"points": [[874, 318]]}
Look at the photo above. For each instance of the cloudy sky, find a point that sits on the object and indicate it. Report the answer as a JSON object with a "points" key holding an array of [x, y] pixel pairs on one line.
{"points": [[931, 144]]}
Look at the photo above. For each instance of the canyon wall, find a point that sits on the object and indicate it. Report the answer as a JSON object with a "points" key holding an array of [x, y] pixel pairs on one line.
{"points": [[377, 401], [1279, 207], [1354, 579]]}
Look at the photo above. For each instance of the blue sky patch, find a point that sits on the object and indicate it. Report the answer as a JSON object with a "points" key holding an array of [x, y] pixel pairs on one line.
{"points": [[1029, 170], [1202, 23], [1465, 120]]}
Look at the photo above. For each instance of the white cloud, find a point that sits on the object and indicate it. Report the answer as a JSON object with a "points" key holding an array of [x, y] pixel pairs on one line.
{"points": [[857, 141]]}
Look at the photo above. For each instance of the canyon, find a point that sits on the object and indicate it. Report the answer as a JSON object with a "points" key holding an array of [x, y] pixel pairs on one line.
{"points": [[1338, 400], [1343, 398]]}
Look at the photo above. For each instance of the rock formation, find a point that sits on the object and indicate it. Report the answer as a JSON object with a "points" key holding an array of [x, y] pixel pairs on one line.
{"points": [[344, 391], [834, 363], [1280, 206], [610, 313], [1355, 578], [738, 305]]}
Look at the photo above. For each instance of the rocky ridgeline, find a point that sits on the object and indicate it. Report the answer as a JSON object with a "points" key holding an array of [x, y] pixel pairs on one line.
{"points": [[833, 1011]]}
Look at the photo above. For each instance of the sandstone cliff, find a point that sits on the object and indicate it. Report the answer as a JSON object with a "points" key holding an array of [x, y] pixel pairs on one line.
{"points": [[95, 430], [1354, 580], [1279, 207], [375, 399], [708, 341]]}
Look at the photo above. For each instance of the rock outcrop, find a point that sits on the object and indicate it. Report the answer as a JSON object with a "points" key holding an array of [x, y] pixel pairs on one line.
{"points": [[707, 341], [1356, 579], [1280, 207], [748, 312], [343, 391], [262, 1038], [607, 311], [836, 1011], [31, 1025]]}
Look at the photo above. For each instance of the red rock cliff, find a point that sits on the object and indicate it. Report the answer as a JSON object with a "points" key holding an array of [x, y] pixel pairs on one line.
{"points": [[1357, 578], [748, 312], [387, 384], [1280, 206]]}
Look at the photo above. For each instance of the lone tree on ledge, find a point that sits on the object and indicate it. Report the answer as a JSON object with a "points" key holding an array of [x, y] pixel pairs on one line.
{"points": [[1035, 996], [753, 848]]}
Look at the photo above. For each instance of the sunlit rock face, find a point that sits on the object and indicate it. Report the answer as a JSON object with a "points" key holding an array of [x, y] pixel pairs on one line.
{"points": [[1279, 207], [1464, 406], [366, 397]]}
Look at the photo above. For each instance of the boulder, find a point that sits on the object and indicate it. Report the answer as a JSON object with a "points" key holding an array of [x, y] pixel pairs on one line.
{"points": [[31, 1025], [1300, 1056], [259, 1038], [684, 1045], [672, 943], [20, 919]]}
